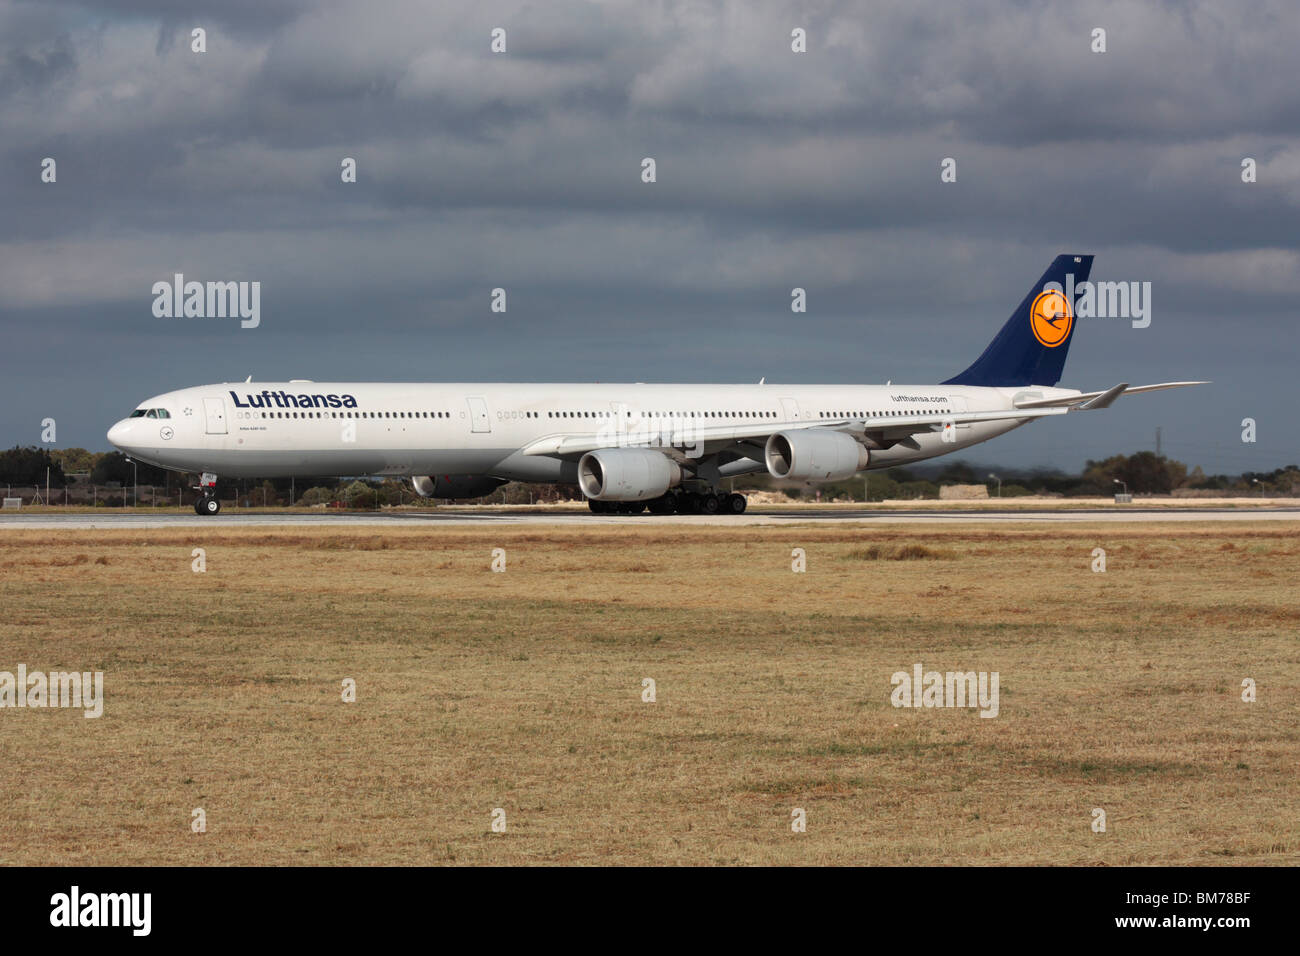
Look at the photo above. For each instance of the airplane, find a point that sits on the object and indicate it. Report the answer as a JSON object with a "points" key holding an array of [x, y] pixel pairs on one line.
{"points": [[629, 447]]}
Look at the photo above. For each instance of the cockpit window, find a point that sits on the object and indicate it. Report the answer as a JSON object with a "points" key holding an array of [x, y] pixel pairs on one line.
{"points": [[138, 413], [163, 413], [152, 413]]}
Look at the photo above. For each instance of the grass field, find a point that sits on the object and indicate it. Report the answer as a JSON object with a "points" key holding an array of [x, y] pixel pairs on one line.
{"points": [[523, 690]]}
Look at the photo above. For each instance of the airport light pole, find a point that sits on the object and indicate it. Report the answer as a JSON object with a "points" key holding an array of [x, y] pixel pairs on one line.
{"points": [[1121, 484], [999, 481]]}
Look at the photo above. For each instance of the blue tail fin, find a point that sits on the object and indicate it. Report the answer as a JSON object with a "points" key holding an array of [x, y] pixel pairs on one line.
{"points": [[1031, 348]]}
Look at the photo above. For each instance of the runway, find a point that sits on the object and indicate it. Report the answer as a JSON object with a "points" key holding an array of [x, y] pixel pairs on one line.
{"points": [[757, 516]]}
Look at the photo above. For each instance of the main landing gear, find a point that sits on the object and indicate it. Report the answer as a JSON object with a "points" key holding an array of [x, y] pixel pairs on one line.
{"points": [[674, 502], [207, 503]]}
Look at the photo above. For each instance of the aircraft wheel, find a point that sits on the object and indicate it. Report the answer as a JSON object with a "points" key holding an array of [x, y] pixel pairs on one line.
{"points": [[709, 504], [210, 505], [597, 507], [735, 504]]}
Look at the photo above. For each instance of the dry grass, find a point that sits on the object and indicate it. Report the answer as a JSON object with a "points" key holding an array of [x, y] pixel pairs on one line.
{"points": [[899, 552], [522, 690]]}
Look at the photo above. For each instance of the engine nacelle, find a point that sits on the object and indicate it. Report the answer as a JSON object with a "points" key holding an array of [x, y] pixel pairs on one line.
{"points": [[626, 474], [455, 486], [814, 454]]}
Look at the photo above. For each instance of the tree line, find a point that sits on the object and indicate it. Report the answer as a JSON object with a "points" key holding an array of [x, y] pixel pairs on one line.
{"points": [[1142, 473]]}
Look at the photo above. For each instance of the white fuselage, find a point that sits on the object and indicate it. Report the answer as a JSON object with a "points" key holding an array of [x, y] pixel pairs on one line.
{"points": [[353, 429]]}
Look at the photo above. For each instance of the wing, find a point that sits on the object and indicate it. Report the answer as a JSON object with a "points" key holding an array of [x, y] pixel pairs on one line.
{"points": [[673, 434]]}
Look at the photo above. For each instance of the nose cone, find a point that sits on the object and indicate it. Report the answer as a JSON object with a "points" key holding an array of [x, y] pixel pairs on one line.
{"points": [[120, 433]]}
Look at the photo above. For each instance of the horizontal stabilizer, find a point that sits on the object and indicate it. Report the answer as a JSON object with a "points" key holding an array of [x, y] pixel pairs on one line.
{"points": [[1090, 400]]}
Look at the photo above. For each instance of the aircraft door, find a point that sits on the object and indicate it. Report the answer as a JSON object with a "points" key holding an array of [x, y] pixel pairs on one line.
{"points": [[478, 415], [958, 406], [789, 410], [214, 410]]}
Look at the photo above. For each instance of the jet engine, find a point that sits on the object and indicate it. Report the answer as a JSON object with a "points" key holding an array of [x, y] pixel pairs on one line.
{"points": [[626, 474], [814, 454], [455, 486]]}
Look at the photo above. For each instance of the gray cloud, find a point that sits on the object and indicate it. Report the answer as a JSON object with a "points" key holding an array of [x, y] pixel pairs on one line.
{"points": [[775, 170]]}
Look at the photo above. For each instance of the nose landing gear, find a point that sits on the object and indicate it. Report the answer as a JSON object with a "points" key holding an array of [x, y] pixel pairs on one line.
{"points": [[207, 503]]}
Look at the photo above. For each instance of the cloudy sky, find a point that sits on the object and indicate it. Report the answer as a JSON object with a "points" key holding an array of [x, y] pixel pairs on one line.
{"points": [[775, 169]]}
